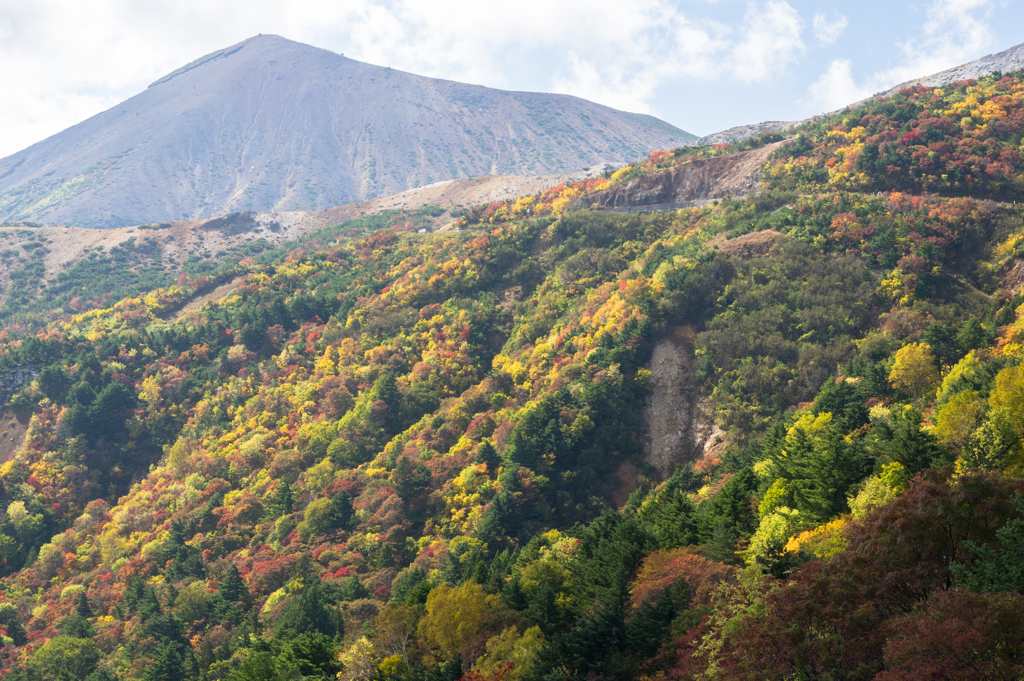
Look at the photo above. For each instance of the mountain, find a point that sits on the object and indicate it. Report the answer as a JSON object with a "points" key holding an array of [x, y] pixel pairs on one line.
{"points": [[604, 445], [271, 124]]}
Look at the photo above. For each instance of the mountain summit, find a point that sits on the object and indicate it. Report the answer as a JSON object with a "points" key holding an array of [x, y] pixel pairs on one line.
{"points": [[271, 124]]}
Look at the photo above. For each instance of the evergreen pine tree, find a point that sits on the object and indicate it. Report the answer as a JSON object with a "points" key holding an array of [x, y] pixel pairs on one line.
{"points": [[232, 587], [669, 515], [721, 546], [170, 664], [82, 607], [487, 454], [283, 500], [406, 583], [907, 444], [309, 612], [16, 630], [149, 605], [409, 479], [207, 655], [650, 625], [342, 510], [822, 473], [353, 590], [731, 505], [225, 651], [972, 335], [385, 390], [512, 596]]}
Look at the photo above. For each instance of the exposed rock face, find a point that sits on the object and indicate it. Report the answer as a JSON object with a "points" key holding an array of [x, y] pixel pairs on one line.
{"points": [[1011, 276], [12, 380], [678, 426], [234, 224], [274, 125], [702, 179]]}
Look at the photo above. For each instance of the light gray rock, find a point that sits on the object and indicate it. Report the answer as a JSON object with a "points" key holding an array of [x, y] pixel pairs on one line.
{"points": [[274, 125]]}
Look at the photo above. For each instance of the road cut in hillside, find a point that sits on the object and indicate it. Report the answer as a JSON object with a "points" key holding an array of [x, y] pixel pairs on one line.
{"points": [[701, 179]]}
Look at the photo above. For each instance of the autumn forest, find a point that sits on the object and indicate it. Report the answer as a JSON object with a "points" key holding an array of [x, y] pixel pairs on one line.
{"points": [[390, 455]]}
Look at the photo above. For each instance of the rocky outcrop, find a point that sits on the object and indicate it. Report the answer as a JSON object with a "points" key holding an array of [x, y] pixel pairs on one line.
{"points": [[678, 425], [1011, 277], [12, 380], [702, 179], [1005, 62], [234, 224]]}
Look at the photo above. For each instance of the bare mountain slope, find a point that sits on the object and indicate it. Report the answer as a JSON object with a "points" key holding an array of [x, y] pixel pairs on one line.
{"points": [[271, 124]]}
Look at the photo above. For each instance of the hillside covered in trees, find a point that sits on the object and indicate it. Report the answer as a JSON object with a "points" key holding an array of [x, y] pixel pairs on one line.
{"points": [[399, 456]]}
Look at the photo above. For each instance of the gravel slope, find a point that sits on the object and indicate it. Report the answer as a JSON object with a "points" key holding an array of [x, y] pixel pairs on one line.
{"points": [[274, 125]]}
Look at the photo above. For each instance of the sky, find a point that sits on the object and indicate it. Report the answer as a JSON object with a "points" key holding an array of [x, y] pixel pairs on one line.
{"points": [[702, 65]]}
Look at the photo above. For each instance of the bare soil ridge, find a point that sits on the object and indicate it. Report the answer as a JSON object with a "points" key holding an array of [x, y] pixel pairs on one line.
{"points": [[754, 245], [742, 132]]}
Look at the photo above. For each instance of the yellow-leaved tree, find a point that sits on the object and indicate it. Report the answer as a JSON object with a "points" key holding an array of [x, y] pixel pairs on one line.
{"points": [[452, 616], [957, 419], [1008, 395], [522, 650], [913, 369]]}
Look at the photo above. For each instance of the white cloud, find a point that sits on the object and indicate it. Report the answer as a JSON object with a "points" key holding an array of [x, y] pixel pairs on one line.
{"points": [[665, 46], [836, 87], [64, 60], [827, 31], [662, 45], [954, 32], [770, 42]]}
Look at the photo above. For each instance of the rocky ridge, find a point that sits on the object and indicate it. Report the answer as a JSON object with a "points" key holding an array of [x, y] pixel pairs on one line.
{"points": [[1005, 62]]}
